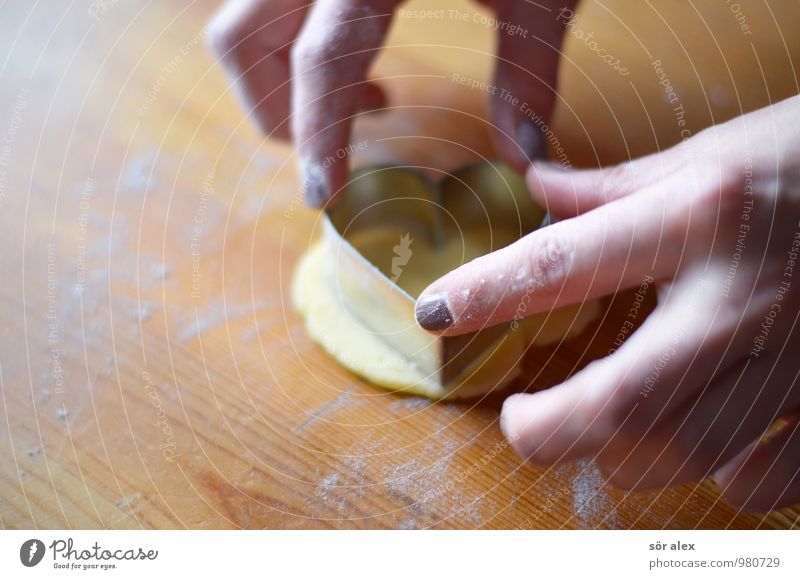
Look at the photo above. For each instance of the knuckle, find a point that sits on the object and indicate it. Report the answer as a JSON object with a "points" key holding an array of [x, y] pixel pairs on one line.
{"points": [[308, 51], [609, 403], [621, 414], [551, 260]]}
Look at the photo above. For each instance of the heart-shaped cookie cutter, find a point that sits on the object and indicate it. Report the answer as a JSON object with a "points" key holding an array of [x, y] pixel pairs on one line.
{"points": [[487, 198]]}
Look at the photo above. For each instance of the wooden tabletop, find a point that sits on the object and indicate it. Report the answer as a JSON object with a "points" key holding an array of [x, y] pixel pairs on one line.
{"points": [[153, 372]]}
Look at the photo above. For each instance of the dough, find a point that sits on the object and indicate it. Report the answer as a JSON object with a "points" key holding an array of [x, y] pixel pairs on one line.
{"points": [[427, 261], [364, 353]]}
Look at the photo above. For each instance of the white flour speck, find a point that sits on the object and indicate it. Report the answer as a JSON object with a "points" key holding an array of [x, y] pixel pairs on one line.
{"points": [[589, 499], [159, 271]]}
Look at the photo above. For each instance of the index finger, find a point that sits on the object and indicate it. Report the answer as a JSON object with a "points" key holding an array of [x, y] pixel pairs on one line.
{"points": [[608, 249], [330, 60]]}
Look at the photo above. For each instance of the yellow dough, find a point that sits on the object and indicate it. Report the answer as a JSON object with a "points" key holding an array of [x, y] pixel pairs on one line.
{"points": [[430, 261], [363, 352]]}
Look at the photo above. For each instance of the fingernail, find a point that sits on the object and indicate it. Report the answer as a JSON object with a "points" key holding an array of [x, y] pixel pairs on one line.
{"points": [[530, 140], [315, 187], [433, 313]]}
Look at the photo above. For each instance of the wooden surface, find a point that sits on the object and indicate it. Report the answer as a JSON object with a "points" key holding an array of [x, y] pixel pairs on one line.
{"points": [[153, 372]]}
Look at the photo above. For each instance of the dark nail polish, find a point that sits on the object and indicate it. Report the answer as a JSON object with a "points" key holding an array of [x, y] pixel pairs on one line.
{"points": [[433, 313], [530, 140], [315, 188]]}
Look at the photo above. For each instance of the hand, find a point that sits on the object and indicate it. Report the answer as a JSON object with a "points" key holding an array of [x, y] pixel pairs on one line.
{"points": [[715, 221], [300, 68]]}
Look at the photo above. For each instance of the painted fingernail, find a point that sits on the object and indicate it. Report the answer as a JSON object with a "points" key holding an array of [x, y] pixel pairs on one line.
{"points": [[315, 187], [433, 313], [530, 140]]}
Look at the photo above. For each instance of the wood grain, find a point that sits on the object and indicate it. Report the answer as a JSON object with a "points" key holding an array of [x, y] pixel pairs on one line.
{"points": [[153, 372]]}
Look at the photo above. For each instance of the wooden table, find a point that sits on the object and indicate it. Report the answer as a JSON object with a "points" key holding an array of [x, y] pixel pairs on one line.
{"points": [[153, 371]]}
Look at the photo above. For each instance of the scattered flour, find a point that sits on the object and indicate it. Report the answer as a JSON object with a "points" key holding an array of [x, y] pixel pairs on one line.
{"points": [[159, 271], [411, 403], [590, 502], [329, 493], [213, 315]]}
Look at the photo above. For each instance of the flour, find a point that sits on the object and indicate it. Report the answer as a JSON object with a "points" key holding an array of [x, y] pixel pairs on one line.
{"points": [[330, 493], [411, 403], [434, 487], [213, 315], [589, 500], [330, 408], [159, 271]]}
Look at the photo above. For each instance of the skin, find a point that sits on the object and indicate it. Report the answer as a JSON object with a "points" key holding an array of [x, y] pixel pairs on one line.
{"points": [[300, 70], [689, 394]]}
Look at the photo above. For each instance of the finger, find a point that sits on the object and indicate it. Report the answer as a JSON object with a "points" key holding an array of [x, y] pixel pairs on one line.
{"points": [[252, 39], [329, 62], [766, 475], [529, 38], [569, 192], [372, 97], [614, 247], [645, 377], [706, 432]]}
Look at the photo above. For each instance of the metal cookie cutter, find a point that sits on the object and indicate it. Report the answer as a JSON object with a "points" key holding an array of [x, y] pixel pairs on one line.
{"points": [[393, 231]]}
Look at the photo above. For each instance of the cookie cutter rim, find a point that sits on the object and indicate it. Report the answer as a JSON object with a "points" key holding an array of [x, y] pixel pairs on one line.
{"points": [[382, 305]]}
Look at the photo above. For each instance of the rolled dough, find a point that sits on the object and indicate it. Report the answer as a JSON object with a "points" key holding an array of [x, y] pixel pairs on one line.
{"points": [[358, 349]]}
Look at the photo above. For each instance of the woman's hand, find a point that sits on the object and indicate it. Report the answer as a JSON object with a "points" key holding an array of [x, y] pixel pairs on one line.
{"points": [[300, 69], [715, 221]]}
